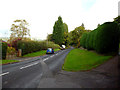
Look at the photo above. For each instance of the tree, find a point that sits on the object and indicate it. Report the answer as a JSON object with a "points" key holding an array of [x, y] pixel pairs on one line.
{"points": [[49, 37], [66, 37], [76, 35], [70, 38], [117, 19], [65, 27], [98, 25], [58, 31], [19, 29], [83, 25]]}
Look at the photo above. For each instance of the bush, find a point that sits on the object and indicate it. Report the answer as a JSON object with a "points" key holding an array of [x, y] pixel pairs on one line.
{"points": [[83, 40], [94, 38], [91, 40], [104, 39], [4, 50], [87, 44], [11, 50], [14, 43], [119, 32], [107, 38], [33, 46]]}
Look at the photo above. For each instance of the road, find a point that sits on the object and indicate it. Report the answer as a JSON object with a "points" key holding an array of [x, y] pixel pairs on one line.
{"points": [[27, 74]]}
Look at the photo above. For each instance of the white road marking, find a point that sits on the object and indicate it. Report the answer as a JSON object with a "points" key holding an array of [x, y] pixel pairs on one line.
{"points": [[4, 73], [29, 65], [45, 59]]}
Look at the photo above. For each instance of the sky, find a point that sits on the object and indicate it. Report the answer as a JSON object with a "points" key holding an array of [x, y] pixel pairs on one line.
{"points": [[42, 14]]}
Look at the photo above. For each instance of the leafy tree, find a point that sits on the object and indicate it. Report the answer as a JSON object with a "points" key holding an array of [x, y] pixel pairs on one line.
{"points": [[66, 40], [98, 25], [58, 31], [49, 37], [19, 29], [77, 33], [65, 27], [70, 38], [75, 37], [66, 37], [83, 25], [117, 19]]}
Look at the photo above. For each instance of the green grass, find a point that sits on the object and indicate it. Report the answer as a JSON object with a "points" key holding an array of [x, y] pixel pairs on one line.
{"points": [[78, 60], [7, 61], [39, 53], [56, 49]]}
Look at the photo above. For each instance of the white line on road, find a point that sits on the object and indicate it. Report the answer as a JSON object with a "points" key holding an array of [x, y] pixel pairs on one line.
{"points": [[4, 73], [29, 65], [45, 59]]}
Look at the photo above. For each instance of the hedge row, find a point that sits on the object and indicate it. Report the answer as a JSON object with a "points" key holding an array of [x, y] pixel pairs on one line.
{"points": [[33, 46], [119, 32], [104, 39], [4, 50]]}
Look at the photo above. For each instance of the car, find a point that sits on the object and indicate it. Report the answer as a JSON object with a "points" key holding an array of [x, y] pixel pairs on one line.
{"points": [[63, 47], [50, 51]]}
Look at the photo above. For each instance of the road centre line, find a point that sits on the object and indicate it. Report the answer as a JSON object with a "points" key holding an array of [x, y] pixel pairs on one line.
{"points": [[29, 65], [45, 59], [51, 56], [4, 73]]}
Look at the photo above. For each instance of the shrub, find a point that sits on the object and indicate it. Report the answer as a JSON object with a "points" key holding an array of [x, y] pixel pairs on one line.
{"points": [[119, 32], [11, 50], [14, 43], [91, 40], [4, 50], [107, 38], [83, 40], [87, 44], [33, 46], [104, 39]]}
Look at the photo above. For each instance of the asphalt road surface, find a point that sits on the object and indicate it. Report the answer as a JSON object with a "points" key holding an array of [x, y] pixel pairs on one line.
{"points": [[27, 74]]}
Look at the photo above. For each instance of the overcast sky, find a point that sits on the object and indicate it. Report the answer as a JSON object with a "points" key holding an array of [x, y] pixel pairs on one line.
{"points": [[42, 14]]}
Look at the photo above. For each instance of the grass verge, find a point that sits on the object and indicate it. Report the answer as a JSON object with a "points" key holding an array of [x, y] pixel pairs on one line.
{"points": [[80, 60], [7, 61], [39, 53]]}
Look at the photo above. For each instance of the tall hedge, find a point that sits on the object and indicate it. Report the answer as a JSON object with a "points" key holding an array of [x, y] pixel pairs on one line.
{"points": [[88, 40], [4, 50], [119, 32], [83, 40], [94, 38], [104, 39], [33, 46], [107, 38]]}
